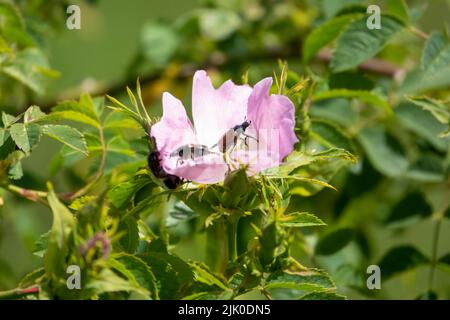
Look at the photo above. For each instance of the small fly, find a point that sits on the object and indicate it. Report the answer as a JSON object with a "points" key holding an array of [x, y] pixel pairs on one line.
{"points": [[191, 151], [230, 138]]}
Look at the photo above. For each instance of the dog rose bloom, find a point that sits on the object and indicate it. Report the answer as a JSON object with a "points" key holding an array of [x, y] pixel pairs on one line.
{"points": [[267, 141]]}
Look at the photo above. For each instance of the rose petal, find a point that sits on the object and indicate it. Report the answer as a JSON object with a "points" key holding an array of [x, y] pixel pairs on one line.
{"points": [[217, 110], [273, 118], [174, 129], [208, 169]]}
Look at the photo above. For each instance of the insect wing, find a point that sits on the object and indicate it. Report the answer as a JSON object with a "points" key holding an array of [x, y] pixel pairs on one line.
{"points": [[227, 141]]}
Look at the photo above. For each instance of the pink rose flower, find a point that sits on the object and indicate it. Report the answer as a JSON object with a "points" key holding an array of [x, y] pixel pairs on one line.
{"points": [[267, 141]]}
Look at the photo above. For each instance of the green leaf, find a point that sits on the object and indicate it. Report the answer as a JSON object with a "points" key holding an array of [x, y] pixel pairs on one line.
{"points": [[121, 194], [26, 136], [12, 162], [427, 168], [413, 205], [429, 295], [69, 136], [119, 120], [435, 66], [82, 112], [298, 159], [308, 280], [107, 281], [210, 295], [130, 238], [435, 50], [437, 108], [401, 259], [33, 113], [204, 275], [382, 156], [307, 173], [357, 43], [300, 220], [3, 134], [422, 123], [218, 24], [180, 213], [40, 246], [330, 135], [399, 9], [81, 202], [13, 25], [58, 239], [324, 34], [31, 68], [444, 263], [322, 295], [334, 241], [365, 96], [31, 278], [351, 80], [8, 119], [119, 151], [170, 271], [159, 43], [339, 111], [136, 271]]}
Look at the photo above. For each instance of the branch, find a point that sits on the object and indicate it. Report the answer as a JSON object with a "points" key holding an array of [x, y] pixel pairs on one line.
{"points": [[32, 195], [218, 61], [376, 66], [183, 72], [421, 34], [18, 293]]}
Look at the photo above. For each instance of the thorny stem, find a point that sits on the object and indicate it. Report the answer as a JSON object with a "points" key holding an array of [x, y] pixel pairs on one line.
{"points": [[32, 195], [18, 293]]}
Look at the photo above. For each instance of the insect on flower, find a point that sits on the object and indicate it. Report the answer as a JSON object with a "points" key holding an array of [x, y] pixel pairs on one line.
{"points": [[222, 118], [170, 181], [191, 151], [230, 138]]}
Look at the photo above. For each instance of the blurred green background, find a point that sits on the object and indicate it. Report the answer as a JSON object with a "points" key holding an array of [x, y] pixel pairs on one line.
{"points": [[98, 55]]}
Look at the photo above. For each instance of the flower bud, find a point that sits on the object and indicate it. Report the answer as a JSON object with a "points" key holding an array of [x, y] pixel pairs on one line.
{"points": [[236, 186]]}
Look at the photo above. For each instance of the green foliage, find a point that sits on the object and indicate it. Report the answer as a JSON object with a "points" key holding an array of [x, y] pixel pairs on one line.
{"points": [[434, 68], [383, 156], [326, 33], [355, 45], [334, 241], [401, 259], [372, 119]]}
